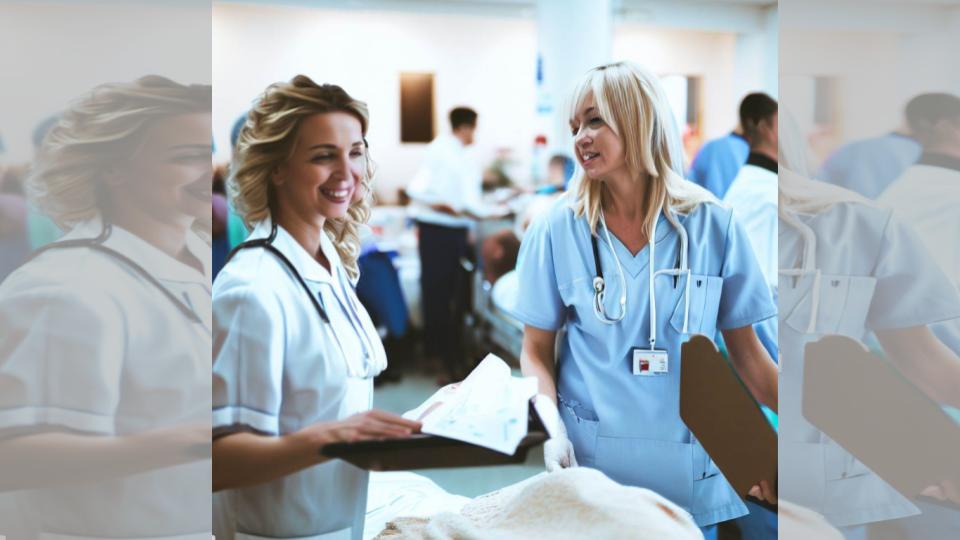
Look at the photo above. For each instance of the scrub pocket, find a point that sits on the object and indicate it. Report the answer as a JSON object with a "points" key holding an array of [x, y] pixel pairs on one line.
{"points": [[843, 305], [704, 305], [581, 424], [710, 488], [662, 466]]}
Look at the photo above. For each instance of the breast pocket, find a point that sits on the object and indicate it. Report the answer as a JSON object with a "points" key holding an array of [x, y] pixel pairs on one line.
{"points": [[703, 306], [842, 305]]}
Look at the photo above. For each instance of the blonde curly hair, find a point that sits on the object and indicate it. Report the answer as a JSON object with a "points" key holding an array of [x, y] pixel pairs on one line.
{"points": [[267, 140], [101, 129]]}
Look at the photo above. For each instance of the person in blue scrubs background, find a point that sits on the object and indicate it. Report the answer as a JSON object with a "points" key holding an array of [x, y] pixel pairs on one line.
{"points": [[719, 160], [869, 166], [668, 253]]}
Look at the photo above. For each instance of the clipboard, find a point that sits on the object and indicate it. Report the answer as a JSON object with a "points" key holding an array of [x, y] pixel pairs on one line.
{"points": [[725, 418], [424, 451], [892, 427]]}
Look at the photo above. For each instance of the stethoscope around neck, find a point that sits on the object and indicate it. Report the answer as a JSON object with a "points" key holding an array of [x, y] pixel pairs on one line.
{"points": [[351, 311], [98, 244], [682, 268]]}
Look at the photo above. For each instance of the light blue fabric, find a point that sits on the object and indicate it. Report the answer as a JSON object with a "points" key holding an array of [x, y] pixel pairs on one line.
{"points": [[875, 275], [870, 165], [718, 162], [628, 426]]}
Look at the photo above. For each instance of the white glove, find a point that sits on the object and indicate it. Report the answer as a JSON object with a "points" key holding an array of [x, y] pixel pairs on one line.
{"points": [[558, 450]]}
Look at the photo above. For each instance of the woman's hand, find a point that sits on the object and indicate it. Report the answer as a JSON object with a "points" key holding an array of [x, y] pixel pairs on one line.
{"points": [[247, 459], [763, 492], [369, 425], [558, 453]]}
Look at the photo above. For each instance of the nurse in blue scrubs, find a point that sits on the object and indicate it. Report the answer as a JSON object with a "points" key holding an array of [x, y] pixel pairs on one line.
{"points": [[632, 262]]}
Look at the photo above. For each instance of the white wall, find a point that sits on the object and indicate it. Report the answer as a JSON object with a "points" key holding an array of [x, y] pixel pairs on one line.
{"points": [[688, 52], [486, 62], [483, 62], [52, 53]]}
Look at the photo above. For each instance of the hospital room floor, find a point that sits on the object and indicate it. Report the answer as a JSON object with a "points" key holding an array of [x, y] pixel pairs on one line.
{"points": [[469, 482]]}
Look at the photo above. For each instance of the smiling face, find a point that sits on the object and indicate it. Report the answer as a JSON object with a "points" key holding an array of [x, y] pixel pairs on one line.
{"points": [[169, 175], [325, 172], [598, 149]]}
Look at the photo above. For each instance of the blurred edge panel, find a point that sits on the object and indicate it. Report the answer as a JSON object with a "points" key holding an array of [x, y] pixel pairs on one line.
{"points": [[416, 107]]}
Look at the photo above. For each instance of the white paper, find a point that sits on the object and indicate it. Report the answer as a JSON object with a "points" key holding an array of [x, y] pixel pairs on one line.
{"points": [[489, 408]]}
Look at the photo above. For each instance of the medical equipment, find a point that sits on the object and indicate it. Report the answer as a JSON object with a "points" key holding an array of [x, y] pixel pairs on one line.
{"points": [[97, 244], [599, 285], [350, 310]]}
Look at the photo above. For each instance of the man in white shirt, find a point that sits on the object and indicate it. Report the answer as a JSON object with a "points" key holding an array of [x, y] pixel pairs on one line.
{"points": [[753, 197], [927, 195], [753, 193], [447, 192]]}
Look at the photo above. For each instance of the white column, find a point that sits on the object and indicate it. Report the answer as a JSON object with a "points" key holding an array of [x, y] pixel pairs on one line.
{"points": [[573, 36]]}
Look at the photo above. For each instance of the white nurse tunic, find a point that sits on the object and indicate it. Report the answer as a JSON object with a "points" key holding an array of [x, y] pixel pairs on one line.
{"points": [[91, 346], [279, 367]]}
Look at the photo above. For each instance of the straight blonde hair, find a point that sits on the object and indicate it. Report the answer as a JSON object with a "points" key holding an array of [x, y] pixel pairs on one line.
{"points": [[632, 102], [267, 140]]}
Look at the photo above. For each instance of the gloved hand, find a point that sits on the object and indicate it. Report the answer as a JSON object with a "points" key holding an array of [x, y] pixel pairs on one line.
{"points": [[558, 450]]}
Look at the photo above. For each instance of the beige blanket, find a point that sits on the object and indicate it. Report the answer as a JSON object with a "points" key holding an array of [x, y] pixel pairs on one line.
{"points": [[574, 503]]}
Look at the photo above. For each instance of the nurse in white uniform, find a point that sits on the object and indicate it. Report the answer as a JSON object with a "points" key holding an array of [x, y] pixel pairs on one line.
{"points": [[295, 353], [849, 268], [104, 355], [632, 262]]}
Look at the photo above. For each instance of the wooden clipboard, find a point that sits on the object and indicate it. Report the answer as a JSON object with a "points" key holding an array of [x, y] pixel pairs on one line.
{"points": [[725, 418], [868, 407], [432, 452]]}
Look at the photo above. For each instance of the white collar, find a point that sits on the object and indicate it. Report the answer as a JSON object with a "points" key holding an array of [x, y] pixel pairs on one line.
{"points": [[156, 262], [305, 263]]}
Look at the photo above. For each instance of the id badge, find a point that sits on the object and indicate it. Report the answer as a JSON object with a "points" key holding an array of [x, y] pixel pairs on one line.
{"points": [[650, 363]]}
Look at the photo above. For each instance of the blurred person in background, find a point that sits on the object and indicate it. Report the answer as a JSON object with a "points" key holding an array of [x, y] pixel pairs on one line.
{"points": [[927, 195], [104, 384], [753, 193], [869, 166], [718, 162], [447, 191]]}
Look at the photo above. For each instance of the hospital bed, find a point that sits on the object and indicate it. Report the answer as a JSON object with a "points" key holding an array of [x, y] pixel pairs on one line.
{"points": [[403, 494], [492, 308]]}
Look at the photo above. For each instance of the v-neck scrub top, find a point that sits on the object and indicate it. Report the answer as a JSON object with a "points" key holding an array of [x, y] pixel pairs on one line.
{"points": [[625, 425]]}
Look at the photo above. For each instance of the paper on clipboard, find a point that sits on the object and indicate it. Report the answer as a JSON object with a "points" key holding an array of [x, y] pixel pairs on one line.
{"points": [[489, 408]]}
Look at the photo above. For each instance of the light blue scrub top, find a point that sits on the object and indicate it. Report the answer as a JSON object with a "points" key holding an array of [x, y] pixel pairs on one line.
{"points": [[875, 275], [869, 166], [718, 162], [625, 425]]}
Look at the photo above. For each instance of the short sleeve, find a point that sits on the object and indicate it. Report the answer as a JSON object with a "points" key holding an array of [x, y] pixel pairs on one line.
{"points": [[248, 360], [911, 290], [745, 298], [539, 303], [61, 360]]}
